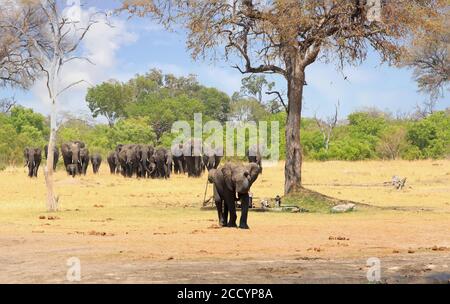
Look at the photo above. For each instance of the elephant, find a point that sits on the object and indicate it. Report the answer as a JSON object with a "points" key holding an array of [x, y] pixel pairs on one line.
{"points": [[128, 160], [84, 161], [144, 154], [119, 147], [179, 163], [113, 162], [72, 169], [230, 180], [162, 157], [192, 151], [55, 155], [254, 156], [211, 157], [71, 154], [33, 157], [169, 163], [96, 161]]}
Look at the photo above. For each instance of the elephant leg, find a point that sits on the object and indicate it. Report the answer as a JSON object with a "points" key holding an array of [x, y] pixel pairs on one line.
{"points": [[244, 211], [229, 201], [225, 215], [180, 167], [219, 206]]}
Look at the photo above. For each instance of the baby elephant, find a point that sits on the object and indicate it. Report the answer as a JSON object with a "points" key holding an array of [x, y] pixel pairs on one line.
{"points": [[72, 169], [231, 180], [96, 161]]}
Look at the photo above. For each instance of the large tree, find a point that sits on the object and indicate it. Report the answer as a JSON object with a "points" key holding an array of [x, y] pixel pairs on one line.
{"points": [[286, 36]]}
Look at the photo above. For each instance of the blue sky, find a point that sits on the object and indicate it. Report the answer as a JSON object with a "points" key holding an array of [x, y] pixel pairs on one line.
{"points": [[137, 45]]}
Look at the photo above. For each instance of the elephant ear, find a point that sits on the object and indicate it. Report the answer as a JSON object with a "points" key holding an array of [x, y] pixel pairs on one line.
{"points": [[227, 172], [254, 171]]}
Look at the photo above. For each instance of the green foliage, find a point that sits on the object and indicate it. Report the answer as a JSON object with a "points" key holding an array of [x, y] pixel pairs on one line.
{"points": [[248, 109], [430, 137], [109, 100], [21, 128], [132, 130], [22, 118]]}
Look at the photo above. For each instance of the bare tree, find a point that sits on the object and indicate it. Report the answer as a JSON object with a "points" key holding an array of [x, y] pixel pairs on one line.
{"points": [[18, 64], [425, 109], [285, 37], [391, 143], [6, 104], [429, 57], [56, 45], [327, 125]]}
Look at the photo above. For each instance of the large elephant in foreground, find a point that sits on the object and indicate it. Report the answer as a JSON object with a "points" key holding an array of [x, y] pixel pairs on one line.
{"points": [[71, 154], [231, 180], [33, 157], [55, 155], [193, 156]]}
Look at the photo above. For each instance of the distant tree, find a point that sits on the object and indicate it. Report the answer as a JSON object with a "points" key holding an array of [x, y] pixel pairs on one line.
{"points": [[425, 109], [391, 143], [23, 117], [431, 135], [132, 130], [247, 109], [367, 123], [6, 104], [109, 99], [216, 103], [255, 86], [327, 126], [285, 37]]}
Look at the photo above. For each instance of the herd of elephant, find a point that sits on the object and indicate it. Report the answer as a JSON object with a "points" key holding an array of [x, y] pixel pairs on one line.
{"points": [[140, 160], [75, 156], [232, 181]]}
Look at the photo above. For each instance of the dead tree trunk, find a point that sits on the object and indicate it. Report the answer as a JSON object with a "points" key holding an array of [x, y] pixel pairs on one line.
{"points": [[52, 201]]}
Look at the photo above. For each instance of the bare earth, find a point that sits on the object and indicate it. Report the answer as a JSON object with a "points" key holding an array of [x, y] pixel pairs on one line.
{"points": [[152, 231]]}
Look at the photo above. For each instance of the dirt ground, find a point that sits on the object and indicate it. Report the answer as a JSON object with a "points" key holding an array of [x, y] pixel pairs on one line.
{"points": [[153, 231]]}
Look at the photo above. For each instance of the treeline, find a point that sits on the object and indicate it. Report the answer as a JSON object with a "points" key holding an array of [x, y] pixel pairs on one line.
{"points": [[143, 110]]}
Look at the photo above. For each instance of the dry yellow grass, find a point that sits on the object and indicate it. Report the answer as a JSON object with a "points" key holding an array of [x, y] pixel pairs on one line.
{"points": [[112, 219]]}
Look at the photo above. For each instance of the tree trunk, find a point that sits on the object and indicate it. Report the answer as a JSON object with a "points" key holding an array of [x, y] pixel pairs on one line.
{"points": [[52, 201], [293, 166]]}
